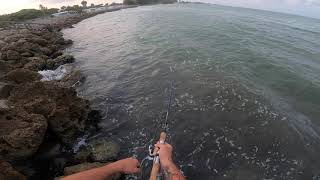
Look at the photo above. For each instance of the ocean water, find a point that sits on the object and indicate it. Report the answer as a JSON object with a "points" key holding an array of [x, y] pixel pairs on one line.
{"points": [[243, 87]]}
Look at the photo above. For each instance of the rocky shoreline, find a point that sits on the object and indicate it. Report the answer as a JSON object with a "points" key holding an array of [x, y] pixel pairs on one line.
{"points": [[41, 120]]}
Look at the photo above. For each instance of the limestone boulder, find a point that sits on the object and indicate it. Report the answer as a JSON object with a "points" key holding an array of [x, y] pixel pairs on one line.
{"points": [[22, 76], [66, 113], [21, 133]]}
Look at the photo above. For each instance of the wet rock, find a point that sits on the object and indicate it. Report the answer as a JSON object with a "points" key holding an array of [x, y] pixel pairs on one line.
{"points": [[83, 155], [73, 79], [56, 54], [82, 167], [13, 55], [60, 60], [45, 51], [21, 133], [22, 76], [104, 150], [7, 172], [66, 113], [35, 64]]}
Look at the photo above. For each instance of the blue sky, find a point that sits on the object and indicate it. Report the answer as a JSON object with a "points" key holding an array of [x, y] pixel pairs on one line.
{"points": [[309, 8]]}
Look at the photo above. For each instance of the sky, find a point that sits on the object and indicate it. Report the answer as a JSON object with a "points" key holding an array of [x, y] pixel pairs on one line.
{"points": [[309, 8]]}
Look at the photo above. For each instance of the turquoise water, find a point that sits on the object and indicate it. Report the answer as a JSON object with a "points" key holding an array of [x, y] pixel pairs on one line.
{"points": [[245, 87]]}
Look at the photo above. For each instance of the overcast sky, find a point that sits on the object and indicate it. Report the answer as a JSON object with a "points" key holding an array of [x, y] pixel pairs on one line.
{"points": [[302, 7]]}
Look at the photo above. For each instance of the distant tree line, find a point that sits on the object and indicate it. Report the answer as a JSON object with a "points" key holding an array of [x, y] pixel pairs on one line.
{"points": [[26, 14], [144, 2]]}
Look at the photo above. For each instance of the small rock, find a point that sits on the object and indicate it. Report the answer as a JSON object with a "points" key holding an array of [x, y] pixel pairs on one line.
{"points": [[13, 55], [22, 76], [8, 172]]}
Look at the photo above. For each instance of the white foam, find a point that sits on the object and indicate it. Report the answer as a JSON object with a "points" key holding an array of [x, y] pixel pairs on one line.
{"points": [[50, 75]]}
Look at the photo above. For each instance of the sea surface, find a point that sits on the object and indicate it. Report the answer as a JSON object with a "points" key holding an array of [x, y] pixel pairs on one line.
{"points": [[242, 87]]}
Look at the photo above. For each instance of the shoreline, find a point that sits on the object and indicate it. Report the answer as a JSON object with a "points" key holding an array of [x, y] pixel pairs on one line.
{"points": [[41, 119]]}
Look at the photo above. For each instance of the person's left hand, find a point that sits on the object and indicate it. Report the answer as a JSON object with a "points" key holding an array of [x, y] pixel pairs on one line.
{"points": [[128, 166]]}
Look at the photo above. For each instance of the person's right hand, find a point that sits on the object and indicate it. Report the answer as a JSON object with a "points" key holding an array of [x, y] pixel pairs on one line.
{"points": [[165, 154]]}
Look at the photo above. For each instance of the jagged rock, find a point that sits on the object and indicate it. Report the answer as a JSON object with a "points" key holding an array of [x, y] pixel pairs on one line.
{"points": [[56, 54], [21, 133], [60, 60], [35, 64], [22, 76], [7, 172], [72, 79], [66, 113], [13, 55], [83, 155], [45, 50], [38, 40]]}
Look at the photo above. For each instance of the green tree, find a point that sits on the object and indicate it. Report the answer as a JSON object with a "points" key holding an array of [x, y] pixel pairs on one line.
{"points": [[84, 4]]}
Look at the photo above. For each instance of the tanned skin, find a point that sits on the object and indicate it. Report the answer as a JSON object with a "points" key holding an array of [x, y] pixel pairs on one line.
{"points": [[127, 166], [131, 166], [167, 164]]}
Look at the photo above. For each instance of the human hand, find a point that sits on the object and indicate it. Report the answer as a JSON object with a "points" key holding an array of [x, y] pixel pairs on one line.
{"points": [[165, 154], [128, 166]]}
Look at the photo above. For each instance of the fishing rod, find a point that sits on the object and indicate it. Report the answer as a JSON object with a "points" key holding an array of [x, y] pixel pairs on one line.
{"points": [[156, 167]]}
